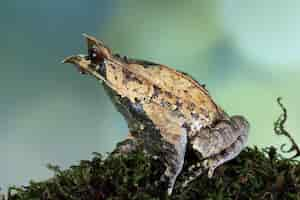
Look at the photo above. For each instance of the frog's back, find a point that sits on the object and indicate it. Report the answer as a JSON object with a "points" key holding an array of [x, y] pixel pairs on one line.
{"points": [[181, 85]]}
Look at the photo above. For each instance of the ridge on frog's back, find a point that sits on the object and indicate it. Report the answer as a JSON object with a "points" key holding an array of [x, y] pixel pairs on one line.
{"points": [[186, 91]]}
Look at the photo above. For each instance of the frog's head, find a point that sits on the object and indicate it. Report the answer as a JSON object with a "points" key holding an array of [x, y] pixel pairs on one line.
{"points": [[94, 63]]}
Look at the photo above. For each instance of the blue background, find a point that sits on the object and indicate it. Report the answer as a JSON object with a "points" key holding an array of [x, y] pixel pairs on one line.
{"points": [[246, 52]]}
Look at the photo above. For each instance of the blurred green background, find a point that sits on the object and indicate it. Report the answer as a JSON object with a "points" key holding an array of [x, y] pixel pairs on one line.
{"points": [[246, 52]]}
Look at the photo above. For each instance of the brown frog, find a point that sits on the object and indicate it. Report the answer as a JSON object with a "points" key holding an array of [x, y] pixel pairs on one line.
{"points": [[167, 111]]}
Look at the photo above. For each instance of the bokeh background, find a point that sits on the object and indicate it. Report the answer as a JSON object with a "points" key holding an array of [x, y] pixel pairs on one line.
{"points": [[246, 52]]}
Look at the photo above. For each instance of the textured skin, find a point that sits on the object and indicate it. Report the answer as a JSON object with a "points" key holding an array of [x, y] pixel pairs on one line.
{"points": [[166, 111]]}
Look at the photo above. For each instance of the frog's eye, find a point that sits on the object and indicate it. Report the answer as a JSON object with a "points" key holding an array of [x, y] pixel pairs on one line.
{"points": [[95, 56]]}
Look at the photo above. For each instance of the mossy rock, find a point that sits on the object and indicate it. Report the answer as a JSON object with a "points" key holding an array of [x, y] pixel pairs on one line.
{"points": [[254, 174]]}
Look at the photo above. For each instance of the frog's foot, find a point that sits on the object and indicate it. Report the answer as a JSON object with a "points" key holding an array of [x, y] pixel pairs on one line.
{"points": [[196, 171], [219, 144], [240, 128]]}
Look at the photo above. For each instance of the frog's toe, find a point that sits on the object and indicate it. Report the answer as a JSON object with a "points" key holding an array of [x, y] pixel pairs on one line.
{"points": [[211, 172], [211, 164]]}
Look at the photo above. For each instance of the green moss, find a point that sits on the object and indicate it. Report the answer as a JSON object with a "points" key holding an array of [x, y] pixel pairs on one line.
{"points": [[254, 174]]}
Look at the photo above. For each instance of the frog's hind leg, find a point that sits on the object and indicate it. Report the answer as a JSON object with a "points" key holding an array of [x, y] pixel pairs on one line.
{"points": [[239, 127], [219, 145]]}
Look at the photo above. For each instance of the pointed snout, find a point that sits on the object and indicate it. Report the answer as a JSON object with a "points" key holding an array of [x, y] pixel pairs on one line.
{"points": [[73, 59], [80, 61], [93, 63]]}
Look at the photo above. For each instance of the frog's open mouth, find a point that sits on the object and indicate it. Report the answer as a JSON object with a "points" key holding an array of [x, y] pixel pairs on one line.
{"points": [[86, 66], [81, 62], [93, 63]]}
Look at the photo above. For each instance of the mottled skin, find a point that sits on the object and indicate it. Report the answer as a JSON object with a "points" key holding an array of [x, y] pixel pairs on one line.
{"points": [[166, 111]]}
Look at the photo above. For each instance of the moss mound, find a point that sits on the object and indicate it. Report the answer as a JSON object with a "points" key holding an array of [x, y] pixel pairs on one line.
{"points": [[254, 174]]}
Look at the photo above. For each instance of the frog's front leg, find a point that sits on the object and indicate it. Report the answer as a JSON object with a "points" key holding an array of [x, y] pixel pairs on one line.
{"points": [[220, 143], [173, 155]]}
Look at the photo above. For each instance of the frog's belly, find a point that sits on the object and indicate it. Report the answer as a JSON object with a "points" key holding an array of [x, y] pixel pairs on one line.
{"points": [[172, 126], [168, 124]]}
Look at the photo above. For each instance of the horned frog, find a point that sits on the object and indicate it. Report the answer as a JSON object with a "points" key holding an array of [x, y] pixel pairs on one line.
{"points": [[166, 111]]}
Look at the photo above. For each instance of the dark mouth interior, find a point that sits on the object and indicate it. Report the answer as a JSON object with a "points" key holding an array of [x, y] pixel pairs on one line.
{"points": [[87, 57]]}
